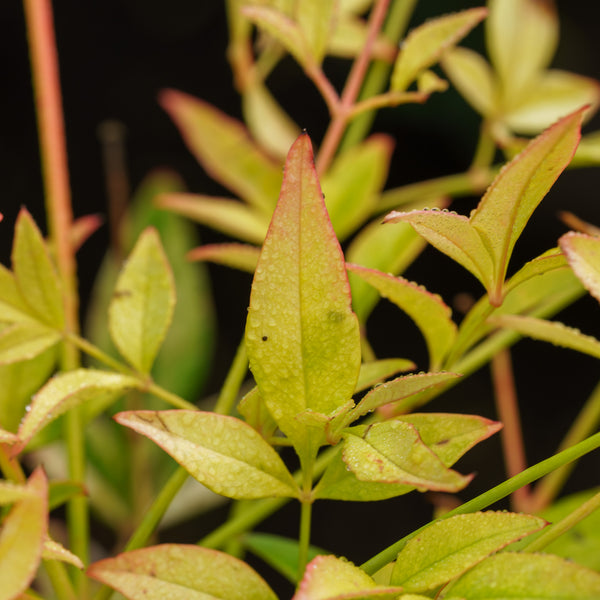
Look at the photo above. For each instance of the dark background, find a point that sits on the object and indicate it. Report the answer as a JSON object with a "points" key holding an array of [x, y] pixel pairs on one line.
{"points": [[116, 56]]}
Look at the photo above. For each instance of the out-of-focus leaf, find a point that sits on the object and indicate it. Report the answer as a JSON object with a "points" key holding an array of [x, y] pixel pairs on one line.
{"points": [[349, 37], [252, 408], [13, 307], [583, 254], [180, 572], [223, 453], [54, 551], [301, 335], [428, 83], [22, 538], [316, 19], [376, 371], [446, 549], [588, 151], [225, 215], [143, 302], [425, 45], [225, 150], [35, 274], [62, 491], [83, 228], [332, 578], [237, 256], [25, 341], [527, 576], [427, 310]]}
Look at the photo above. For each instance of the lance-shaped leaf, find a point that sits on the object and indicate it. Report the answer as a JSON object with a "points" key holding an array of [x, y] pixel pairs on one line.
{"points": [[70, 389], [527, 576], [13, 307], [26, 340], [54, 551], [426, 44], [35, 274], [332, 578], [302, 337], [225, 150], [446, 549], [393, 452], [483, 243], [142, 305], [180, 572], [316, 19], [225, 454], [237, 256], [252, 408], [377, 370], [427, 310], [22, 538], [583, 254]]}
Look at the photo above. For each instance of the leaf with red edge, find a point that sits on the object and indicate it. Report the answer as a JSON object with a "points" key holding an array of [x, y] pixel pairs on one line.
{"points": [[583, 254]]}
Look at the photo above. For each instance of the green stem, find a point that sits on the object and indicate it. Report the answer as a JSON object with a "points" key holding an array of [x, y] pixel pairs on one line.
{"points": [[491, 496], [555, 530], [304, 537], [485, 151], [233, 382], [61, 584]]}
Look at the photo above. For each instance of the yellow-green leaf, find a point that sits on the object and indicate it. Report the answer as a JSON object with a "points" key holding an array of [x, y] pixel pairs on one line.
{"points": [[180, 572], [35, 274], [377, 370], [425, 45], [54, 551], [527, 577], [332, 578], [446, 549], [583, 254], [142, 305], [301, 335], [237, 256], [13, 307], [316, 19], [223, 453], [25, 340]]}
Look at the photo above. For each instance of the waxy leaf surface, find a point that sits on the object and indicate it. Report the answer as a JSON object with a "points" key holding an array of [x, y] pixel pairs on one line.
{"points": [[301, 335], [526, 577], [223, 453], [583, 254], [332, 578], [142, 305], [446, 549], [180, 572]]}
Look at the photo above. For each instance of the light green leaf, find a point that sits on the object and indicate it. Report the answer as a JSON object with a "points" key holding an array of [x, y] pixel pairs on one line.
{"points": [[426, 44], [332, 578], [392, 452], [427, 310], [316, 19], [180, 572], [252, 408], [588, 151], [13, 307], [550, 331], [302, 338], [35, 274], [225, 150], [527, 577], [237, 256], [8, 437], [25, 341], [223, 453], [228, 216], [13, 492], [446, 549], [583, 254], [54, 551], [69, 389], [142, 305], [349, 37], [376, 371], [22, 537]]}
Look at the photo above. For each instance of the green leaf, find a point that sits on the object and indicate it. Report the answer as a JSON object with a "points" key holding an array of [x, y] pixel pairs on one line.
{"points": [[332, 578], [316, 19], [377, 370], [54, 551], [237, 256], [302, 337], [223, 453], [527, 577], [583, 254], [142, 305], [225, 150], [22, 537], [60, 492], [392, 452], [69, 389], [426, 44], [35, 274], [446, 549], [180, 572], [25, 341], [427, 310], [550, 331], [252, 408], [13, 307]]}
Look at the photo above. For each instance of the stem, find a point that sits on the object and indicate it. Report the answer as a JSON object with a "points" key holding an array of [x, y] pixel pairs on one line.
{"points": [[508, 412], [61, 584], [485, 151], [491, 496], [304, 537], [233, 381], [169, 397], [10, 466]]}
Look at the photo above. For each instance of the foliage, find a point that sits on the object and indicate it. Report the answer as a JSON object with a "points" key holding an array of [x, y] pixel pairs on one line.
{"points": [[324, 417]]}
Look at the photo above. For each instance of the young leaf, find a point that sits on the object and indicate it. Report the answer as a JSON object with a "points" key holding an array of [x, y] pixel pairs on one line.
{"points": [[223, 453], [332, 578], [392, 452], [25, 340], [180, 572], [142, 304], [237, 256], [302, 338], [526, 576], [252, 408], [54, 551], [316, 19], [22, 537], [426, 44], [583, 254], [13, 307], [225, 150], [446, 549], [70, 389], [376, 371], [35, 274], [428, 311]]}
